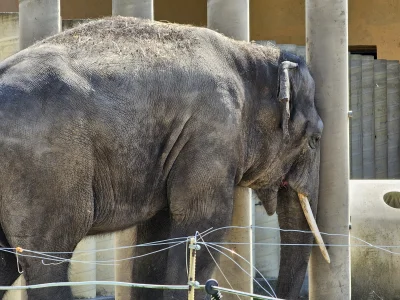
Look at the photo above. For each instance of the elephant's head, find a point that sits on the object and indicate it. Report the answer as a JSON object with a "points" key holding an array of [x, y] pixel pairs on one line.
{"points": [[286, 178]]}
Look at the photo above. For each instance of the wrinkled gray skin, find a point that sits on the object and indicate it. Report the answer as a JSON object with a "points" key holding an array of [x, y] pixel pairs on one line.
{"points": [[123, 122]]}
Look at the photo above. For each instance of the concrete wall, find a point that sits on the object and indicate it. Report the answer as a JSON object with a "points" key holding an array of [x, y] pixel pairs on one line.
{"points": [[375, 124], [375, 272], [376, 23]]}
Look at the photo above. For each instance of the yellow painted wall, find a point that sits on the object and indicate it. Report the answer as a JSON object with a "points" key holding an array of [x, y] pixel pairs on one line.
{"points": [[371, 22], [8, 5]]}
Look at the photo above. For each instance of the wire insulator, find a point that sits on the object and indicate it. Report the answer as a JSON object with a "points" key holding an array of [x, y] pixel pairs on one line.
{"points": [[215, 295]]}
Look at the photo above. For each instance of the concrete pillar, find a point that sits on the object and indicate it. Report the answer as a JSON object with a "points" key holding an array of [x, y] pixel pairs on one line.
{"points": [[82, 271], [231, 18], [105, 272], [38, 19], [239, 280], [123, 269], [327, 55], [266, 257], [133, 8], [17, 294]]}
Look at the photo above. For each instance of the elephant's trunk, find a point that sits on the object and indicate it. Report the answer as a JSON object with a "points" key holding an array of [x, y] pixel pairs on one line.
{"points": [[294, 259]]}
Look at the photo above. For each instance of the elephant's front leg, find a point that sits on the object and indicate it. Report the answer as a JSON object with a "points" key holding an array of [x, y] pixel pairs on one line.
{"points": [[196, 206]]}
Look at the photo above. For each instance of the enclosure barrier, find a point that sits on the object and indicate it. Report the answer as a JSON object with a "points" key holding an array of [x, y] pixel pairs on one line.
{"points": [[375, 246], [193, 246]]}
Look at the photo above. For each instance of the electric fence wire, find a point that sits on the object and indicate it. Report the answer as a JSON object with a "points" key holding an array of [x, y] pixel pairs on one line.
{"points": [[364, 243], [253, 279], [241, 268], [216, 263], [173, 243], [59, 260]]}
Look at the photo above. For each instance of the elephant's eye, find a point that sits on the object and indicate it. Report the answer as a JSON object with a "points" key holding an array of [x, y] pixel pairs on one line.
{"points": [[314, 140]]}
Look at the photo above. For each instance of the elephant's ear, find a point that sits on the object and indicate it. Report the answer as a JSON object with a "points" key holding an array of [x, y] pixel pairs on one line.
{"points": [[284, 93]]}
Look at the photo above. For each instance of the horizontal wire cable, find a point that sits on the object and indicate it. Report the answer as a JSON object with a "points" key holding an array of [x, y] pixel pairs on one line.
{"points": [[59, 260], [83, 283], [176, 242]]}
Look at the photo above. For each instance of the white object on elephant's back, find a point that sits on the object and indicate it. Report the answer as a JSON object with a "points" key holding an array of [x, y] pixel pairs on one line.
{"points": [[374, 270], [84, 271]]}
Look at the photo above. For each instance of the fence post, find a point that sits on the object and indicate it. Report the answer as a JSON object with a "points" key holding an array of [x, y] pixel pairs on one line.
{"points": [[105, 272], [123, 272], [231, 17], [327, 55], [84, 272]]}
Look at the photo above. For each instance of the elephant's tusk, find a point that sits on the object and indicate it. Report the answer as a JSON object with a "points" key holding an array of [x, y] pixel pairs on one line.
{"points": [[313, 226]]}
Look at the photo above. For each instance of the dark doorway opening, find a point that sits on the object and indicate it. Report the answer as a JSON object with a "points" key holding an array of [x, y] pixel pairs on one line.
{"points": [[364, 50]]}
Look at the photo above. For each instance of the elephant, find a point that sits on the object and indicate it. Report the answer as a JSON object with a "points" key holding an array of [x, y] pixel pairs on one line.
{"points": [[123, 122]]}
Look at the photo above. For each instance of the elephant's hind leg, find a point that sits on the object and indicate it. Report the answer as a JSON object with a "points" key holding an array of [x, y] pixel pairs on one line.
{"points": [[53, 216], [8, 270], [37, 266]]}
